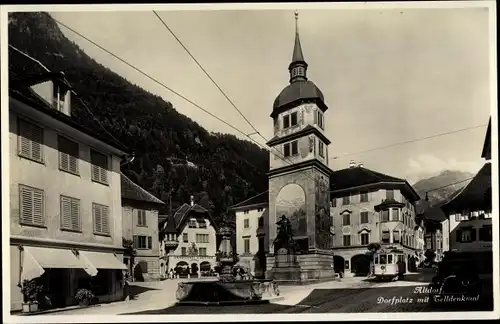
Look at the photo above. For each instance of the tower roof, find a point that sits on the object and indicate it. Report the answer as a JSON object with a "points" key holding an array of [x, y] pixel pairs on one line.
{"points": [[300, 90]]}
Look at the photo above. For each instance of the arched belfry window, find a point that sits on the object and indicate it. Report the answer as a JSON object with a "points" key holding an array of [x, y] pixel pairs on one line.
{"points": [[294, 72], [300, 71]]}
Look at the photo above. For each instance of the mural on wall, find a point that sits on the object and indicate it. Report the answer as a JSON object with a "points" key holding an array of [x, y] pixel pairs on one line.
{"points": [[322, 214], [291, 202]]}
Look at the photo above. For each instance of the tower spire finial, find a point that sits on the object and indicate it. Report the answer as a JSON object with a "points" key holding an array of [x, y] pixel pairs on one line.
{"points": [[298, 66], [296, 21]]}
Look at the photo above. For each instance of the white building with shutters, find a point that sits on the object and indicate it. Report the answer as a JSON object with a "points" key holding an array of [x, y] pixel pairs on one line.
{"points": [[140, 226], [65, 206]]}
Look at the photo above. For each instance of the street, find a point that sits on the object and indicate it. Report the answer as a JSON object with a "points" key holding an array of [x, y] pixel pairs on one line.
{"points": [[355, 295]]}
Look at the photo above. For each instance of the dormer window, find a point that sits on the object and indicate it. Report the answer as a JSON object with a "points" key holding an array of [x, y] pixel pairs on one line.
{"points": [[59, 97]]}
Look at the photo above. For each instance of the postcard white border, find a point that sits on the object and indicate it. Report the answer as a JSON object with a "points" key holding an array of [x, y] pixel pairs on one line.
{"points": [[491, 5]]}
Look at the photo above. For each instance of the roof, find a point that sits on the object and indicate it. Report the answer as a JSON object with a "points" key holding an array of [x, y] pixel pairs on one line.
{"points": [[132, 191], [260, 199], [476, 195], [486, 152], [391, 202], [353, 177], [183, 214], [20, 90], [296, 92]]}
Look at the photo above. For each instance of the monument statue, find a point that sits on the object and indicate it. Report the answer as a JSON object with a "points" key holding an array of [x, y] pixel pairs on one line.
{"points": [[284, 239]]}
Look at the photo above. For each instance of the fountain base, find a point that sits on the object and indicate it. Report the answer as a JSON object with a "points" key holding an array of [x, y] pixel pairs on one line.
{"points": [[217, 292]]}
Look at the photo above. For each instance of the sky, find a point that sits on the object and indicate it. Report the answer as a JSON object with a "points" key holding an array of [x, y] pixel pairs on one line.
{"points": [[388, 75]]}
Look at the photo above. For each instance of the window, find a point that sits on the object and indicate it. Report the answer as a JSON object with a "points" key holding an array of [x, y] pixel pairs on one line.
{"points": [[384, 216], [346, 220], [334, 202], [246, 245], [293, 119], [346, 240], [466, 236], [321, 149], [291, 148], [202, 251], [183, 251], [485, 234], [68, 155], [30, 141], [260, 210], [101, 219], [319, 119], [185, 237], [365, 239], [201, 238], [364, 217], [395, 214], [290, 120], [202, 223], [396, 237], [141, 218], [70, 214], [58, 97], [143, 242], [31, 206], [346, 200], [246, 211], [363, 197], [192, 223], [389, 194], [99, 167], [246, 223], [386, 237]]}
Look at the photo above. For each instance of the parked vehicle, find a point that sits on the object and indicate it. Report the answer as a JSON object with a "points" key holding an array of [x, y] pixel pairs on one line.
{"points": [[389, 265], [457, 281]]}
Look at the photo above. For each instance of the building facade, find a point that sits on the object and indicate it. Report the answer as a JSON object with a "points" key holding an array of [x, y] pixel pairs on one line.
{"points": [[371, 207], [252, 237], [65, 211], [140, 227], [470, 214], [189, 242]]}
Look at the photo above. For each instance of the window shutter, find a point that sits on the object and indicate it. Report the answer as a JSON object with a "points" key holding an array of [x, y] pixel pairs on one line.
{"points": [[75, 214], [73, 164], [24, 142], [103, 174], [38, 207], [36, 142], [95, 172], [105, 219], [26, 205], [459, 236], [150, 242], [66, 213], [97, 219], [64, 160]]}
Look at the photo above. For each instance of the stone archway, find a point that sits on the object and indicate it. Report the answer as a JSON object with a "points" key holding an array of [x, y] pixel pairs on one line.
{"points": [[338, 264], [182, 269], [205, 268], [360, 264]]}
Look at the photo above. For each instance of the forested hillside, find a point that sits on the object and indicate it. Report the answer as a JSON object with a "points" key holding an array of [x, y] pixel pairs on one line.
{"points": [[222, 170]]}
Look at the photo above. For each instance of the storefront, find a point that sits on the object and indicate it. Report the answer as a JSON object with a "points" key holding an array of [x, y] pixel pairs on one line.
{"points": [[61, 272]]}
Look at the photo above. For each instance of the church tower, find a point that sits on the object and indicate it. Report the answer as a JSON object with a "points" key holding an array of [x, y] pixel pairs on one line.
{"points": [[299, 176]]}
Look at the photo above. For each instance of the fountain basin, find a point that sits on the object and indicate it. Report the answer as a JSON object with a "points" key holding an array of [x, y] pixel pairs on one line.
{"points": [[217, 292]]}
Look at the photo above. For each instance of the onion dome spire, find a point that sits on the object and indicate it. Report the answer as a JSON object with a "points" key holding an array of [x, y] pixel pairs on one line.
{"points": [[298, 66]]}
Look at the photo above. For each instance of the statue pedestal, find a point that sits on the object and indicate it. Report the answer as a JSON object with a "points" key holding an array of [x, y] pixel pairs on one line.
{"points": [[312, 267]]}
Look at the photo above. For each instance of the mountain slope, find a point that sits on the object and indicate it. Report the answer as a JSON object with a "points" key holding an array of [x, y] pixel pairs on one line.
{"points": [[445, 178], [222, 169]]}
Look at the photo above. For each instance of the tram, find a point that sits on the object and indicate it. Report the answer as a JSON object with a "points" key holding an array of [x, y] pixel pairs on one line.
{"points": [[389, 265]]}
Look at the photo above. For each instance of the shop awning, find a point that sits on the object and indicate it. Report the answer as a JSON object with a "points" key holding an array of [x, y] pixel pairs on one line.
{"points": [[100, 260], [36, 259]]}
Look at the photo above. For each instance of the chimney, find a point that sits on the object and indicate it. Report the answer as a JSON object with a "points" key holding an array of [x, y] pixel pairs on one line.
{"points": [[360, 164], [192, 200], [352, 164]]}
